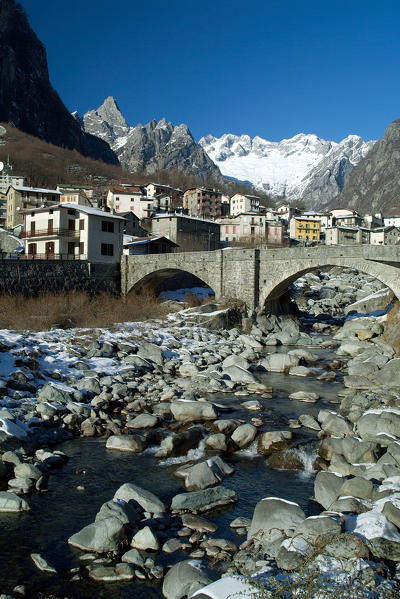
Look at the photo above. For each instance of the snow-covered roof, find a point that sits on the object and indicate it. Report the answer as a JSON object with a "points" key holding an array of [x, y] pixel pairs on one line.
{"points": [[77, 207], [35, 189], [90, 210], [176, 215], [147, 240]]}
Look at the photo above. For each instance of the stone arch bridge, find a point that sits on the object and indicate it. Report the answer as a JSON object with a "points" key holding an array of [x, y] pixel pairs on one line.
{"points": [[259, 277]]}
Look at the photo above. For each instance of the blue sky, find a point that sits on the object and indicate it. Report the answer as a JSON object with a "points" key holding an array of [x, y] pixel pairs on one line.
{"points": [[272, 68]]}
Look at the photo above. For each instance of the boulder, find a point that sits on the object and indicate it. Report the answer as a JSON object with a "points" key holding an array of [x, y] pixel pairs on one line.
{"points": [[193, 411], [180, 443], [147, 500], [149, 351], [269, 442], [279, 362], [126, 512], [389, 374], [244, 435], [145, 539], [274, 513], [217, 442], [205, 474], [237, 374], [143, 421], [57, 393], [380, 425], [133, 443], [101, 536], [327, 488], [201, 501], [183, 579], [9, 502], [198, 523], [306, 396]]}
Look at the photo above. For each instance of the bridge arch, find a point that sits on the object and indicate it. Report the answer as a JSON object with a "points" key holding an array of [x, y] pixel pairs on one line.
{"points": [[137, 271], [284, 273], [156, 278]]}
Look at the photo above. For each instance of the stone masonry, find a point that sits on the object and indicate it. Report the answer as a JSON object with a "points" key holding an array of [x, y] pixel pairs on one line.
{"points": [[260, 276]]}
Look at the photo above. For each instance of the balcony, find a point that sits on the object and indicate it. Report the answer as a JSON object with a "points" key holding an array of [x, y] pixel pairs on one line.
{"points": [[50, 233]]}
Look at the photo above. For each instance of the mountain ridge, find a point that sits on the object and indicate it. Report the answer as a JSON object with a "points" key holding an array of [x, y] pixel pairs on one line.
{"points": [[304, 167], [150, 148]]}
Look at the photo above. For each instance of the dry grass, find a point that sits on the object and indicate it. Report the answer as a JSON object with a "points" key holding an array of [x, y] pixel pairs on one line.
{"points": [[193, 301], [77, 309]]}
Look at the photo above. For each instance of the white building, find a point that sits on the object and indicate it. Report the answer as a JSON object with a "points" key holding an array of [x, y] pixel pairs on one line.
{"points": [[130, 199], [385, 236], [244, 203], [391, 221], [72, 232]]}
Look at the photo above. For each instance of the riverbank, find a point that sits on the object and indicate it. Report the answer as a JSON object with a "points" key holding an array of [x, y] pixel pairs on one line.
{"points": [[186, 388]]}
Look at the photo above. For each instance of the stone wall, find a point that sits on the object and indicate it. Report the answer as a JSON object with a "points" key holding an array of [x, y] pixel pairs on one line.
{"points": [[35, 277]]}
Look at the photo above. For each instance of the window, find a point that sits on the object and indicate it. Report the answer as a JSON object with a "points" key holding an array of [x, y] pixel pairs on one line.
{"points": [[82, 224], [71, 224], [226, 228], [107, 226], [72, 212], [81, 248], [71, 247], [32, 248], [234, 228], [107, 249]]}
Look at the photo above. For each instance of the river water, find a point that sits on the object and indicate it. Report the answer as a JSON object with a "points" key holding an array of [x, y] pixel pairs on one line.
{"points": [[63, 510]]}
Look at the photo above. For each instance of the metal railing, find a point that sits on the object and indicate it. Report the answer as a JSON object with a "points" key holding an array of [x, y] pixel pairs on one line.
{"points": [[50, 233]]}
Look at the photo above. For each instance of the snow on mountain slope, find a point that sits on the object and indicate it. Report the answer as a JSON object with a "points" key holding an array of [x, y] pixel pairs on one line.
{"points": [[285, 167]]}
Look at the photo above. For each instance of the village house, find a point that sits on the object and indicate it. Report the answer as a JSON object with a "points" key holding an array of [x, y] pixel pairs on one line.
{"points": [[251, 228], [70, 231], [391, 221], [240, 203], [175, 195], [203, 203], [305, 228], [121, 199], [372, 221], [325, 219], [75, 194], [139, 246], [190, 234], [132, 225], [339, 235], [7, 179], [21, 198], [287, 212], [346, 218], [385, 236]]}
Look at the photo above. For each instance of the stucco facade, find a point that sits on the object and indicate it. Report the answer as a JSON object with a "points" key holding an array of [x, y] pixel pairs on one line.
{"points": [[73, 232]]}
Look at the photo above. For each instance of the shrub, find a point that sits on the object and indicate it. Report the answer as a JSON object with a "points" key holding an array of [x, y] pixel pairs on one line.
{"points": [[76, 309]]}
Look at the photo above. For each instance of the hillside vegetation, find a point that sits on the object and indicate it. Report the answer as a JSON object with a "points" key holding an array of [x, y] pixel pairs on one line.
{"points": [[45, 165]]}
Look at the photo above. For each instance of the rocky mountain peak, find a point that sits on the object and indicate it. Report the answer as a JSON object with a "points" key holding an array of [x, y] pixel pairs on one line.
{"points": [[155, 146], [109, 111], [374, 184]]}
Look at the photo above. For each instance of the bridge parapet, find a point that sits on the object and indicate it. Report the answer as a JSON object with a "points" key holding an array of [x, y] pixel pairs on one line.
{"points": [[258, 276]]}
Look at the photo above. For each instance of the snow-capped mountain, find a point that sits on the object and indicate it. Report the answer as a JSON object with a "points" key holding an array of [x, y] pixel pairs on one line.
{"points": [[303, 167], [149, 148]]}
